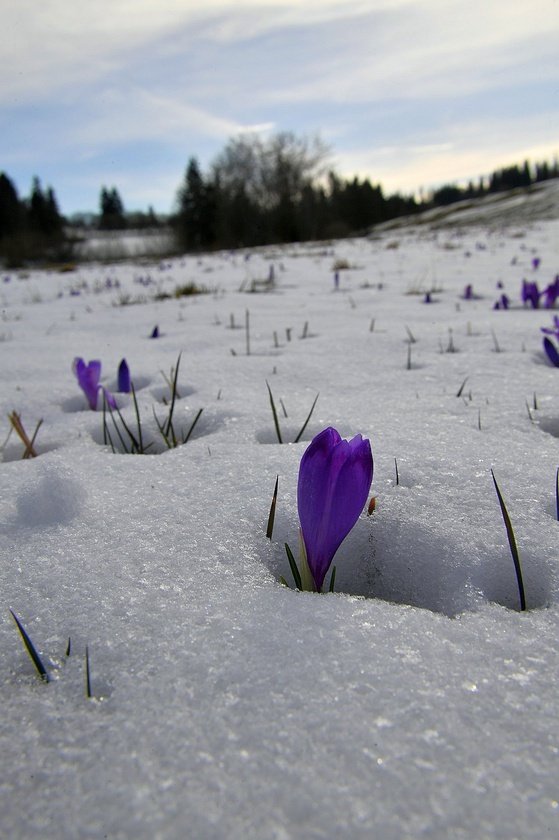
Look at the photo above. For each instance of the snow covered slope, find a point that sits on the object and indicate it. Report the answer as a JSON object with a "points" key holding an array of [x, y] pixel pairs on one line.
{"points": [[417, 701]]}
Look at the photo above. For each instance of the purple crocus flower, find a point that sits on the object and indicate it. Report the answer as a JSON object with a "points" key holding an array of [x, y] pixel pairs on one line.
{"points": [[551, 293], [334, 481], [155, 332], [123, 377], [502, 303], [88, 379], [535, 263], [530, 293], [551, 351]]}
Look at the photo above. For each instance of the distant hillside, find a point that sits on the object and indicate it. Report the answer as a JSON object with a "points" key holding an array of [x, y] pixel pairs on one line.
{"points": [[516, 207]]}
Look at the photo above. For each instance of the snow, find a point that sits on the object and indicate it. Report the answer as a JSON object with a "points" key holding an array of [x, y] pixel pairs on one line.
{"points": [[417, 700]]}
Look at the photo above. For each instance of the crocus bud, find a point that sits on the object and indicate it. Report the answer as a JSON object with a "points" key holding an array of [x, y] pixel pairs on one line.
{"points": [[551, 351], [335, 476], [123, 377]]}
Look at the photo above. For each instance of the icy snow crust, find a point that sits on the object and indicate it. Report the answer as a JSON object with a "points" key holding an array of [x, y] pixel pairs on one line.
{"points": [[417, 701]]}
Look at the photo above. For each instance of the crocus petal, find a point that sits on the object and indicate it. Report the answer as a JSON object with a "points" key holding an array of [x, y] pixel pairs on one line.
{"points": [[78, 366], [123, 377], [109, 397], [551, 293], [334, 481], [530, 294], [551, 351], [554, 330]]}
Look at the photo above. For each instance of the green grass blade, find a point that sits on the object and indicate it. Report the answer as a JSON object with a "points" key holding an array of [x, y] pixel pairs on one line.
{"points": [[87, 673], [274, 413], [174, 439], [307, 580], [111, 442], [294, 569], [37, 661], [272, 514], [305, 424], [512, 544], [138, 421], [462, 386], [162, 430], [106, 434], [173, 396], [134, 446], [199, 414]]}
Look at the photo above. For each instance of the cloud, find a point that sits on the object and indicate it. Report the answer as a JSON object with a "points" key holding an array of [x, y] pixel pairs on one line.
{"points": [[127, 114], [463, 151], [273, 52], [56, 44], [422, 52], [352, 48]]}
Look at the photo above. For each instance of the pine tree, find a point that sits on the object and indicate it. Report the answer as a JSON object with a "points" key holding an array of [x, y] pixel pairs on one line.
{"points": [[196, 214], [112, 210], [11, 210]]}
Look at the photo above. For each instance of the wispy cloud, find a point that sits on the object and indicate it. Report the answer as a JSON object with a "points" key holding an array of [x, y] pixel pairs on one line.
{"points": [[143, 115], [132, 88]]}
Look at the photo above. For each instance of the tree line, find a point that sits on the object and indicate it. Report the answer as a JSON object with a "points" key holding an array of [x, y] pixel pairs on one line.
{"points": [[509, 178], [256, 192], [263, 192], [32, 228], [260, 192]]}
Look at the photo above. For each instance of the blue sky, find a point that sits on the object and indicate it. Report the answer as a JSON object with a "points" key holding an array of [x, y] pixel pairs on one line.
{"points": [[409, 93]]}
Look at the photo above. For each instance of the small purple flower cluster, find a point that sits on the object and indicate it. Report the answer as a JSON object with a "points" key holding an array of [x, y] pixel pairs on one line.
{"points": [[88, 377], [531, 294], [502, 303]]}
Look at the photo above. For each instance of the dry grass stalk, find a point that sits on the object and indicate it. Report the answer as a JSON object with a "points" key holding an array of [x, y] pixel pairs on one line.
{"points": [[17, 425]]}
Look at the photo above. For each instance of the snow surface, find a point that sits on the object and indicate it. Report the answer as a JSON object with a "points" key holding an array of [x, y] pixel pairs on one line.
{"points": [[418, 701]]}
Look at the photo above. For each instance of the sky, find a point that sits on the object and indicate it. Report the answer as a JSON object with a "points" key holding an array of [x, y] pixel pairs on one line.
{"points": [[408, 93]]}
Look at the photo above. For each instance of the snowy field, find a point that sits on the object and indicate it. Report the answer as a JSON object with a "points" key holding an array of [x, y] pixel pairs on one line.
{"points": [[416, 701]]}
